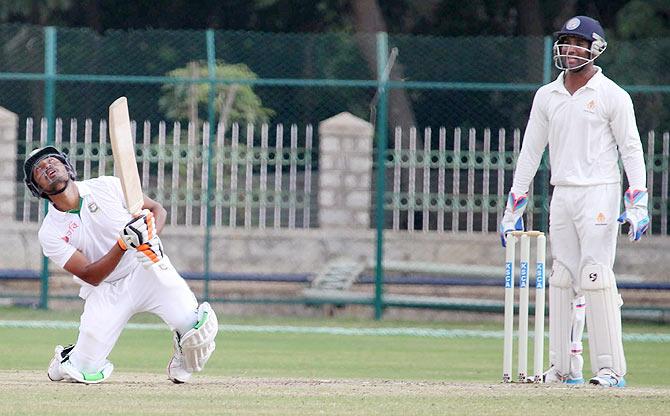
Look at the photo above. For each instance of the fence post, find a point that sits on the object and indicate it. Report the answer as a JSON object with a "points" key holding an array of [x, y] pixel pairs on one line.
{"points": [[50, 80], [381, 131], [9, 126], [50, 59], [211, 72], [543, 172]]}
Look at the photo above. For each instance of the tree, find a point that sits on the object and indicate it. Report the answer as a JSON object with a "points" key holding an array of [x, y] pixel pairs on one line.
{"points": [[233, 102], [35, 11]]}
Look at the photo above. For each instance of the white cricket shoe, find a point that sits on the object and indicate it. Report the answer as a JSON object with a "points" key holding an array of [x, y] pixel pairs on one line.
{"points": [[60, 354], [175, 369], [608, 378], [553, 376]]}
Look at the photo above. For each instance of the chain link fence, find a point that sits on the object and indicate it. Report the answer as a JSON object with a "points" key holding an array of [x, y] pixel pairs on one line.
{"points": [[303, 78], [456, 112]]}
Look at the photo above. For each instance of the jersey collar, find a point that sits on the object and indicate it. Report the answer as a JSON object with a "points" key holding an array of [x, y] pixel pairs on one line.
{"points": [[83, 189], [593, 83]]}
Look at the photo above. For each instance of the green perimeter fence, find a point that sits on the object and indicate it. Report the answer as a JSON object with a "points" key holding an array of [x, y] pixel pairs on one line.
{"points": [[198, 78]]}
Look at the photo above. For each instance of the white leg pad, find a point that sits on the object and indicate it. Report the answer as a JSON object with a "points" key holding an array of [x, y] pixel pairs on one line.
{"points": [[560, 318], [197, 345], [603, 319]]}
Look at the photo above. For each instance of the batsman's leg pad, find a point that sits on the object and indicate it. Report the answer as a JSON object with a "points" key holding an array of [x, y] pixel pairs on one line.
{"points": [[603, 319], [197, 345], [560, 318]]}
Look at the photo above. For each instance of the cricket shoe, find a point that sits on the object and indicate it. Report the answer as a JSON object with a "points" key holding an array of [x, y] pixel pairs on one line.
{"points": [[607, 378], [61, 354], [175, 369], [553, 376]]}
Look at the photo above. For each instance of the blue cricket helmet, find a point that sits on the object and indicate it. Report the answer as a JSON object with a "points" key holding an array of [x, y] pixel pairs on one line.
{"points": [[583, 27]]}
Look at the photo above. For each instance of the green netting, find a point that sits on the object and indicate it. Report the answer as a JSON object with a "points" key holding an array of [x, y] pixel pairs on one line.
{"points": [[471, 59], [458, 81]]}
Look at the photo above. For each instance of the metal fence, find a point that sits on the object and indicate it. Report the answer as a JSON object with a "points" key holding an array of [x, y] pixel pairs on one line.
{"points": [[461, 183], [266, 176], [262, 174]]}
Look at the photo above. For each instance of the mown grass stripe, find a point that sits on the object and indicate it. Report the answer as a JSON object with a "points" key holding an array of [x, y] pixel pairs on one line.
{"points": [[281, 329]]}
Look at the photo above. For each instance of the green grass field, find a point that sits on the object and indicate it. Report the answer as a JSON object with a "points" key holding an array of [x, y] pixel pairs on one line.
{"points": [[276, 370]]}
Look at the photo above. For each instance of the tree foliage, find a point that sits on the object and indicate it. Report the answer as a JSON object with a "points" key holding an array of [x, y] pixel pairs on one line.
{"points": [[179, 100], [628, 18]]}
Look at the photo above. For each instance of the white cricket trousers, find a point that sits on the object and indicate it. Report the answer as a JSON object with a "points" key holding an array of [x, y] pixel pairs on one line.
{"points": [[109, 307], [583, 227]]}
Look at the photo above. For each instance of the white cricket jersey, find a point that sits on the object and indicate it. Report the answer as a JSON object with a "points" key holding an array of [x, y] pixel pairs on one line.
{"points": [[93, 231], [583, 131]]}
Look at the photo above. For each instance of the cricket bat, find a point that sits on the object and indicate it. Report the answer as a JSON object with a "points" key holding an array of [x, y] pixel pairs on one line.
{"points": [[123, 149], [125, 166]]}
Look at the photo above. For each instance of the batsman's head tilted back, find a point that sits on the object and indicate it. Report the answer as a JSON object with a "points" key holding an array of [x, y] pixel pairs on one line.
{"points": [[34, 159], [581, 27]]}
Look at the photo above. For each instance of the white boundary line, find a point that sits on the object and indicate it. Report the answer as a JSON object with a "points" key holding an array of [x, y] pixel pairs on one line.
{"points": [[280, 329]]}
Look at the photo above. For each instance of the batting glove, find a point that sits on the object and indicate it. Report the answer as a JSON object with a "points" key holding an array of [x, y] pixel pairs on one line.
{"points": [[512, 219], [138, 230], [636, 214], [150, 252]]}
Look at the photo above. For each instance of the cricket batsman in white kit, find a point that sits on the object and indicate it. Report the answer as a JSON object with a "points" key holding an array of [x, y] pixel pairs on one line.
{"points": [[119, 262], [587, 120]]}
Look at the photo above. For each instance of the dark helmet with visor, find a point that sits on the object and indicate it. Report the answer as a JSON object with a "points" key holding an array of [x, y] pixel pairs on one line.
{"points": [[34, 158], [585, 28]]}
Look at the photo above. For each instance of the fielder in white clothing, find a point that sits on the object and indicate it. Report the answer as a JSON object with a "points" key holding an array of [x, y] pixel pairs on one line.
{"points": [[588, 121], [119, 262]]}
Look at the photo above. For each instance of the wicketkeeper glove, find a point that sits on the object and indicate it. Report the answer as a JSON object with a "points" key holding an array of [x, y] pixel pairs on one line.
{"points": [[512, 219], [138, 231], [636, 214], [150, 252]]}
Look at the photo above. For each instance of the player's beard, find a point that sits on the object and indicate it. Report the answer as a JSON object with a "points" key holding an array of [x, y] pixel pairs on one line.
{"points": [[58, 184], [580, 61]]}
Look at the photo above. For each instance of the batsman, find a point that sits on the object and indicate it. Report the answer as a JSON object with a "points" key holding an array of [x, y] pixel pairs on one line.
{"points": [[587, 121], [120, 264]]}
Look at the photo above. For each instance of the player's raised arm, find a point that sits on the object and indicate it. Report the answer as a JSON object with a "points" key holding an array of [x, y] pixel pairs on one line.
{"points": [[160, 213]]}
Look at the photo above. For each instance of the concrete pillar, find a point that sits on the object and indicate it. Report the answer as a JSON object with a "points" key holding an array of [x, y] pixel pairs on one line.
{"points": [[9, 128], [345, 172]]}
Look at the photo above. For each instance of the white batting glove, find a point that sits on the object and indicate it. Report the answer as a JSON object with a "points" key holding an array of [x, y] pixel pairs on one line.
{"points": [[512, 219], [150, 252], [138, 230], [636, 214]]}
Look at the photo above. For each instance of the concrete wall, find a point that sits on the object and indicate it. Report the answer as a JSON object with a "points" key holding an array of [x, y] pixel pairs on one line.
{"points": [[307, 251]]}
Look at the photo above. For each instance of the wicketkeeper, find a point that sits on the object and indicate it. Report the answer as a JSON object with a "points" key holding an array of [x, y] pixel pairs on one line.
{"points": [[588, 121], [120, 264]]}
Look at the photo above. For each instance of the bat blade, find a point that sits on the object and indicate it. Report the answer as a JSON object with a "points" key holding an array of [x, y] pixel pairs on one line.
{"points": [[123, 149]]}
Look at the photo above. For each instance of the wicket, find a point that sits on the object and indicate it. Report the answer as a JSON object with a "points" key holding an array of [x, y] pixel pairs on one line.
{"points": [[524, 260]]}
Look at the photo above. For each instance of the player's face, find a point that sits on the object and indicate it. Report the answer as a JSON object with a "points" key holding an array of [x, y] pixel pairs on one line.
{"points": [[575, 51], [50, 175]]}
